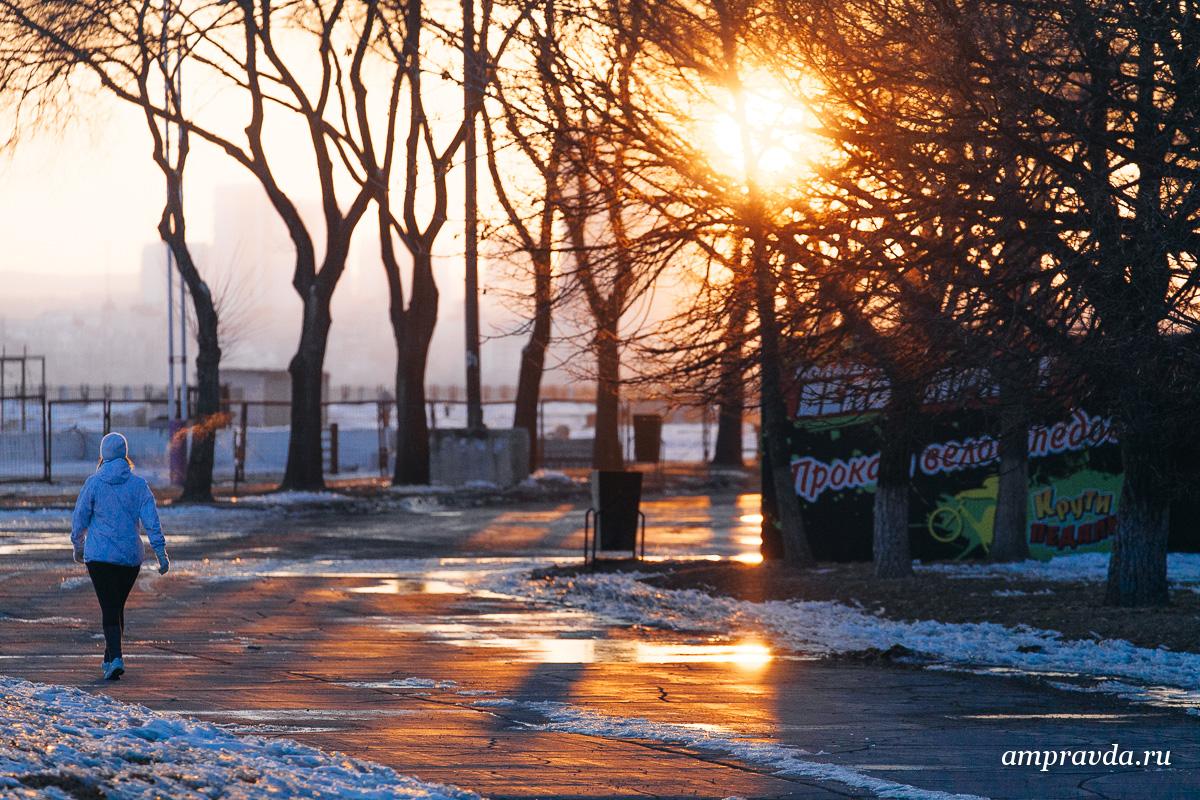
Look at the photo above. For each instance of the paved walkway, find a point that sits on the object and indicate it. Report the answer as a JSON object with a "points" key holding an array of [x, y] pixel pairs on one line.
{"points": [[395, 661]]}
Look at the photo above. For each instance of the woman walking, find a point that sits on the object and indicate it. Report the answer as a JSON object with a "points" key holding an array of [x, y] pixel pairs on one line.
{"points": [[104, 533]]}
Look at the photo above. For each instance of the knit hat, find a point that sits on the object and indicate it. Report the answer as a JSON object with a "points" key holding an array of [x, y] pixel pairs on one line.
{"points": [[113, 446]]}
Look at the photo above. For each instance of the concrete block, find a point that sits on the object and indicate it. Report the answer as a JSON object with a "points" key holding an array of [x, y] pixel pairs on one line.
{"points": [[498, 456]]}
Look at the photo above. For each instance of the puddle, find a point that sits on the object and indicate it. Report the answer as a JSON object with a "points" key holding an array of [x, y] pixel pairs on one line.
{"points": [[409, 586], [559, 650]]}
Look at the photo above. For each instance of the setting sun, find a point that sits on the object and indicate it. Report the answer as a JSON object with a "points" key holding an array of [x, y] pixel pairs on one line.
{"points": [[782, 133]]}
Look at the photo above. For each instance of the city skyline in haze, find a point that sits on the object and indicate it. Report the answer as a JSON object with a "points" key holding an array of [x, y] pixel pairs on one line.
{"points": [[79, 220]]}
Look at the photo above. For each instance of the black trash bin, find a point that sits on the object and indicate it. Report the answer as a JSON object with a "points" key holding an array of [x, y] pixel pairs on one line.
{"points": [[647, 438], [616, 497]]}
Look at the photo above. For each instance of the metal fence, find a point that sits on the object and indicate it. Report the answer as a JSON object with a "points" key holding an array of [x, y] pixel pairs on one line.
{"points": [[59, 439], [24, 442]]}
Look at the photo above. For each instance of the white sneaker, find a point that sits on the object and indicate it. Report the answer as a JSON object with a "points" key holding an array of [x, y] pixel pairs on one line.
{"points": [[116, 668]]}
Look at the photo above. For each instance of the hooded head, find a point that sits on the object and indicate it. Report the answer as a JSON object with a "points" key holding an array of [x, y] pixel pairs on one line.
{"points": [[114, 447]]}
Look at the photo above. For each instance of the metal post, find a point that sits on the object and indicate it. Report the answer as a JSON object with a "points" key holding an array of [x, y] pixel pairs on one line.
{"points": [[472, 98], [172, 81], [170, 329], [47, 433], [183, 350], [183, 332], [382, 416], [333, 448], [24, 360], [239, 467]]}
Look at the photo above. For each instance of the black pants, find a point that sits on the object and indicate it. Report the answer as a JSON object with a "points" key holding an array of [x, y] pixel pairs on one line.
{"points": [[113, 583]]}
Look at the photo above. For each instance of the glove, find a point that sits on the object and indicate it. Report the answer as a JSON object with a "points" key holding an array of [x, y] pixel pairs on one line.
{"points": [[164, 563], [78, 555]]}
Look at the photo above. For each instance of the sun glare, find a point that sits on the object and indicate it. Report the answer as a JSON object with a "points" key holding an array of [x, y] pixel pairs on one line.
{"points": [[781, 134]]}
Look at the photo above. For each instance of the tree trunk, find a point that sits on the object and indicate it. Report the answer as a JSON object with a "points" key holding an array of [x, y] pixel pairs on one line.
{"points": [[890, 551], [197, 483], [777, 425], [1137, 569], [890, 532], [413, 329], [727, 451], [198, 480], [731, 395], [305, 461], [533, 360], [606, 447], [1010, 541]]}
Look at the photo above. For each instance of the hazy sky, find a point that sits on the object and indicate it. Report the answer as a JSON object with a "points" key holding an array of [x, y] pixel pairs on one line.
{"points": [[80, 204]]}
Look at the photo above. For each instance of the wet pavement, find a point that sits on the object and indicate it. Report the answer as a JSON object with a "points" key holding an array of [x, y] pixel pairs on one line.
{"points": [[367, 634]]}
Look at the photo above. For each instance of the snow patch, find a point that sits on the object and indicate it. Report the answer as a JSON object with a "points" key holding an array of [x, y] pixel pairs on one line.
{"points": [[547, 477], [1162, 696], [401, 683], [421, 504], [1183, 569], [129, 751], [1020, 593], [45, 620], [293, 498], [419, 490]]}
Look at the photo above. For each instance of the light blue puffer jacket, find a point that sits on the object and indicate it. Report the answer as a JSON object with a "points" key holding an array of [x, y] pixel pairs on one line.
{"points": [[110, 506]]}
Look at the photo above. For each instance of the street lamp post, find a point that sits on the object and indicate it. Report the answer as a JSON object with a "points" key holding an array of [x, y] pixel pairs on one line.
{"points": [[472, 97], [173, 83]]}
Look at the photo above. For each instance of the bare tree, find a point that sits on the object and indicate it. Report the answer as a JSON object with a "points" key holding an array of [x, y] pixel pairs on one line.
{"points": [[136, 55], [693, 56], [530, 219], [237, 44], [425, 168], [1087, 110]]}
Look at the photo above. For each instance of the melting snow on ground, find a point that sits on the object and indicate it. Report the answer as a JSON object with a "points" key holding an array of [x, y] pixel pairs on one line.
{"points": [[1183, 569], [781, 760], [825, 628], [62, 743], [293, 498], [402, 683]]}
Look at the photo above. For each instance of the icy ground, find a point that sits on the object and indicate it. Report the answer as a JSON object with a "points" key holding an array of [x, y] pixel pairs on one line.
{"points": [[426, 587], [1158, 675], [812, 628], [58, 742], [778, 759]]}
